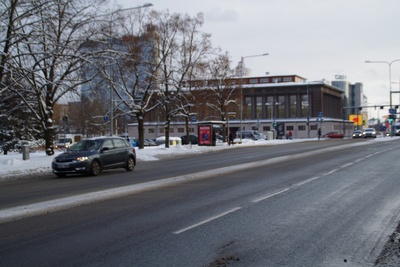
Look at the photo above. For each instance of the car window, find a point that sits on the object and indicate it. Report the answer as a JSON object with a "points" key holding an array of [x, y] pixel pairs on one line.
{"points": [[86, 145], [126, 142], [119, 143], [109, 144]]}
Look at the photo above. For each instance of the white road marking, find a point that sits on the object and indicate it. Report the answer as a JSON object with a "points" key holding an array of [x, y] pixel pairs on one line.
{"points": [[307, 181], [347, 165], [271, 195], [207, 220], [330, 172]]}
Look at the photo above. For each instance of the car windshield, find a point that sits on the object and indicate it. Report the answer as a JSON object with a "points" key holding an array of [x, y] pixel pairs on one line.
{"points": [[85, 145], [66, 140]]}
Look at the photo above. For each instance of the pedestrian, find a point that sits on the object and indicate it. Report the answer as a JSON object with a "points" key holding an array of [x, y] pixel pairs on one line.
{"points": [[319, 133], [230, 138], [290, 135]]}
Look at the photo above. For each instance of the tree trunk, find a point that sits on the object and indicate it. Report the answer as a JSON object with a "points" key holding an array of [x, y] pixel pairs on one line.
{"points": [[140, 120]]}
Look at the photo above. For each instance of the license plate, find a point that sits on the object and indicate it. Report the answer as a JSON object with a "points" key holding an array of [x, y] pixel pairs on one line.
{"points": [[63, 165]]}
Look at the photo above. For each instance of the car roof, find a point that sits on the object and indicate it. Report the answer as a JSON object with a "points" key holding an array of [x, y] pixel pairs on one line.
{"points": [[103, 138]]}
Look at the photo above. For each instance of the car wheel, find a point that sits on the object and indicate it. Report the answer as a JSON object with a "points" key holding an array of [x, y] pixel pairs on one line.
{"points": [[61, 175], [130, 165], [95, 168]]}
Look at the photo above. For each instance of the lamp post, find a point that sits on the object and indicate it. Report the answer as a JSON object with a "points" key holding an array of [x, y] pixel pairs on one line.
{"points": [[241, 88], [111, 87], [389, 63]]}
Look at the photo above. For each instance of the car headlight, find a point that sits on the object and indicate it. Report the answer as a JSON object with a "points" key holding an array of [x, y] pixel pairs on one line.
{"points": [[82, 158]]}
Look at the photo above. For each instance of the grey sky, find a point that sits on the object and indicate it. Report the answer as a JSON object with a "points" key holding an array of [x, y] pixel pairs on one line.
{"points": [[315, 39]]}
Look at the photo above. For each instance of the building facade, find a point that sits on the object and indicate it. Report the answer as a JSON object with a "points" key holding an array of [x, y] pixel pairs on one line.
{"points": [[268, 103]]}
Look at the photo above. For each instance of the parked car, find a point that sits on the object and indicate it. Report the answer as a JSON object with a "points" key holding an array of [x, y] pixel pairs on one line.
{"points": [[149, 142], [357, 134], [193, 139], [94, 155], [369, 132], [253, 135], [333, 135], [146, 142]]}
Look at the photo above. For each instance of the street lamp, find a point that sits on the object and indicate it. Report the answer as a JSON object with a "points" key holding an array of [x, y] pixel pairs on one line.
{"points": [[241, 89], [390, 82], [111, 87]]}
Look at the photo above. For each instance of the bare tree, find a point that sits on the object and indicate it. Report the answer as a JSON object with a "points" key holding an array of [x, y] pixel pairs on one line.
{"points": [[47, 58], [155, 56], [181, 49], [221, 89]]}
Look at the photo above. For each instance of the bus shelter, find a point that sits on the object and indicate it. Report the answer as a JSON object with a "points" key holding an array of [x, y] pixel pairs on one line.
{"points": [[209, 131]]}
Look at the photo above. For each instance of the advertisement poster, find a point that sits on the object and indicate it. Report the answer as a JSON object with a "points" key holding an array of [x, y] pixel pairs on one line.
{"points": [[205, 135], [280, 130]]}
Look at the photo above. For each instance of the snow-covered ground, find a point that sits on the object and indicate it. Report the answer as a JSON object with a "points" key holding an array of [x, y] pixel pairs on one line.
{"points": [[12, 165]]}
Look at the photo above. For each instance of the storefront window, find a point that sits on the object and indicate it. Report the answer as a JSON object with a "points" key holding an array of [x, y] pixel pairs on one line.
{"points": [[281, 107], [304, 106], [293, 107]]}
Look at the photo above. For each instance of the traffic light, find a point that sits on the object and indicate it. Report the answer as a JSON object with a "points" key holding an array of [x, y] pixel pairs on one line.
{"points": [[274, 124], [392, 117]]}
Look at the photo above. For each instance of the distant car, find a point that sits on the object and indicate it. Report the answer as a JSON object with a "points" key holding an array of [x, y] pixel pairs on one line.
{"points": [[333, 135], [146, 142], [357, 134], [149, 142], [93, 155], [253, 135], [193, 139], [63, 143], [369, 132]]}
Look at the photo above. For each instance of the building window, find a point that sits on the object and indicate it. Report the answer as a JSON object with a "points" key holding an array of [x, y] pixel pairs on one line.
{"points": [[287, 79], [247, 108], [305, 105], [270, 107], [266, 128], [281, 106], [161, 130], [293, 106], [151, 130], [313, 127], [301, 128], [253, 80], [264, 80], [276, 80], [181, 130], [289, 128], [259, 107]]}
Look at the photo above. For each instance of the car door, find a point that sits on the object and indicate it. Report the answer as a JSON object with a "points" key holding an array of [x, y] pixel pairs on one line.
{"points": [[107, 153], [121, 152]]}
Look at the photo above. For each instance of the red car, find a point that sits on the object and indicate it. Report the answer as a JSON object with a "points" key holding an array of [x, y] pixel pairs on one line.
{"points": [[333, 135]]}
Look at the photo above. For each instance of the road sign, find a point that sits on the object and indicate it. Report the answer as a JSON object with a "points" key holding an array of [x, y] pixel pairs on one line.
{"points": [[105, 118], [392, 111], [320, 114]]}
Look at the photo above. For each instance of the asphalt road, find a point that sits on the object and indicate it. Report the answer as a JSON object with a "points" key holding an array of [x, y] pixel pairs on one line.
{"points": [[329, 207]]}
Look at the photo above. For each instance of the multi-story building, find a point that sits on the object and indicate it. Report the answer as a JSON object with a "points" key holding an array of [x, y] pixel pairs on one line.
{"points": [[354, 99], [267, 103]]}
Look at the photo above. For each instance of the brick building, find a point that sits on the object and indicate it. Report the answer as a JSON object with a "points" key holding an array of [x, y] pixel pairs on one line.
{"points": [[289, 102]]}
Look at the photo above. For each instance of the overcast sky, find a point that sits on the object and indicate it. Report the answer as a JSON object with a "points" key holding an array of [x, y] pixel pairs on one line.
{"points": [[315, 39]]}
